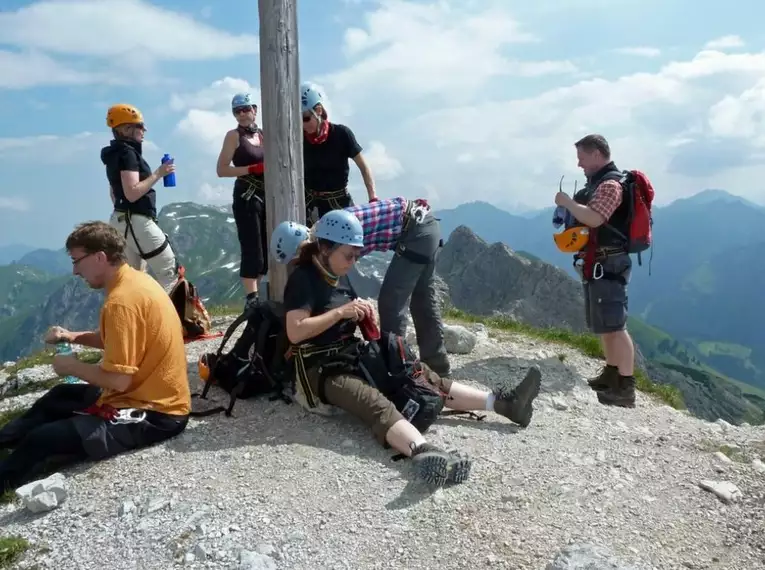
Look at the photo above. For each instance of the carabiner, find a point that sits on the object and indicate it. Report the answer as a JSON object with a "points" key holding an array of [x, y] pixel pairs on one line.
{"points": [[595, 274], [128, 416]]}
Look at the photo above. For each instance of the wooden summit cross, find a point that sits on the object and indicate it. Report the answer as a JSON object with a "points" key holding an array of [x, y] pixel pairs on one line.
{"points": [[282, 124]]}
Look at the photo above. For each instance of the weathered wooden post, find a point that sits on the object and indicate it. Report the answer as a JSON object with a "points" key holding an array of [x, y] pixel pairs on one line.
{"points": [[282, 123]]}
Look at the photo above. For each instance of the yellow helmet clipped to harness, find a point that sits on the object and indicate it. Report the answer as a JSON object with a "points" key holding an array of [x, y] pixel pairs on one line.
{"points": [[122, 114], [572, 239], [204, 366]]}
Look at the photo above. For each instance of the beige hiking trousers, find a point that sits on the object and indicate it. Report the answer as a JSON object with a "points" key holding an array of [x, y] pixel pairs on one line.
{"points": [[146, 237]]}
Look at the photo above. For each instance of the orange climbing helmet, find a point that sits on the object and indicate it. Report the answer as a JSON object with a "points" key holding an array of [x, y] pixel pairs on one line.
{"points": [[572, 239], [204, 366], [122, 114]]}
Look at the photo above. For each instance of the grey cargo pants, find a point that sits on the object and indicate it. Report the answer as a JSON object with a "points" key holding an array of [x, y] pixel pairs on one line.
{"points": [[411, 282]]}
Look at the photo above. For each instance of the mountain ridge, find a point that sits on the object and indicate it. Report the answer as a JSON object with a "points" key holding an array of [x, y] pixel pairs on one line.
{"points": [[505, 283]]}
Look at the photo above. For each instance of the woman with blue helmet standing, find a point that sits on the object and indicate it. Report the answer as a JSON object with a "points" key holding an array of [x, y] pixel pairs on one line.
{"points": [[243, 146], [322, 313], [326, 150]]}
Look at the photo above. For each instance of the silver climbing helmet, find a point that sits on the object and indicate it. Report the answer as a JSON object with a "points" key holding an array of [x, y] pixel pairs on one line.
{"points": [[286, 240], [340, 227], [310, 96]]}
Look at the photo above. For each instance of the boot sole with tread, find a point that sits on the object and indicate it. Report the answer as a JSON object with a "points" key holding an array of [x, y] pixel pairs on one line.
{"points": [[438, 468]]}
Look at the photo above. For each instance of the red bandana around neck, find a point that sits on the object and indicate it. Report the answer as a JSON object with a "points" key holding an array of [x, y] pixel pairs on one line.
{"points": [[321, 135]]}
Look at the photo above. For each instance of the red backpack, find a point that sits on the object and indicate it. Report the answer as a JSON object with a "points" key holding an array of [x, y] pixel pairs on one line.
{"points": [[639, 191]]}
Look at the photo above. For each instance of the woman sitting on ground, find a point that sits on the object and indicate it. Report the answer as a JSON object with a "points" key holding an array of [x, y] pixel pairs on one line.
{"points": [[321, 315]]}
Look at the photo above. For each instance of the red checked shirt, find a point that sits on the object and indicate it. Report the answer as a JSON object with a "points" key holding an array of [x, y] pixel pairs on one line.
{"points": [[606, 198], [383, 222]]}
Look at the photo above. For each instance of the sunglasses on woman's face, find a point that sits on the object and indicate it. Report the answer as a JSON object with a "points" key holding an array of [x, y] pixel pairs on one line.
{"points": [[307, 117], [242, 110]]}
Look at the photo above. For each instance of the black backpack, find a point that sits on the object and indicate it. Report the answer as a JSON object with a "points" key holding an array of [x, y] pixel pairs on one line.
{"points": [[256, 364], [390, 365]]}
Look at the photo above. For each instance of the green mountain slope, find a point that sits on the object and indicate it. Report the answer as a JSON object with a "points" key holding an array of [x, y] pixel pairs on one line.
{"points": [[704, 280]]}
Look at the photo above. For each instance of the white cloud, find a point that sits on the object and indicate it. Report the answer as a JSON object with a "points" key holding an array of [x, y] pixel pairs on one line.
{"points": [[15, 203], [208, 112], [725, 42], [217, 194], [28, 69], [672, 123], [741, 116], [118, 27], [117, 41], [443, 49], [216, 96], [61, 149], [640, 51], [383, 165]]}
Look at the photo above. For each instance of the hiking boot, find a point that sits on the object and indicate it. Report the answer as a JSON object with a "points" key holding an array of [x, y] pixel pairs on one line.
{"points": [[439, 364], [605, 380], [516, 405], [622, 393], [251, 301], [437, 467]]}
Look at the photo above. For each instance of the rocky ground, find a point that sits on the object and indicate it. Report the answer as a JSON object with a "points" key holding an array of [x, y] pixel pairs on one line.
{"points": [[275, 487]]}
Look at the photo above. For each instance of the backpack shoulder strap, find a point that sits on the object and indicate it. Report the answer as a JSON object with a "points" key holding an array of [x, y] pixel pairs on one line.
{"points": [[232, 328]]}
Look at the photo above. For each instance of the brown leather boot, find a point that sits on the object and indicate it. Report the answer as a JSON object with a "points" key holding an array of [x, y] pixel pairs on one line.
{"points": [[622, 394], [605, 380]]}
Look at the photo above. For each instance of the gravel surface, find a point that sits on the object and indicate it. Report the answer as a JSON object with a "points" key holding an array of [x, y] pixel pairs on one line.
{"points": [[275, 487]]}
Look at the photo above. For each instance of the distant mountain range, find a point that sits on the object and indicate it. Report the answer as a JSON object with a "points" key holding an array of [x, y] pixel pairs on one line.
{"points": [[706, 274]]}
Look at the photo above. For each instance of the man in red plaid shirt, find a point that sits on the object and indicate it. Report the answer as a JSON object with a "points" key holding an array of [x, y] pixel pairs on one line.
{"points": [[408, 228], [599, 205]]}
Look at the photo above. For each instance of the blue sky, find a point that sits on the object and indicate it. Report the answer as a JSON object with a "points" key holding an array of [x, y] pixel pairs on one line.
{"points": [[453, 101]]}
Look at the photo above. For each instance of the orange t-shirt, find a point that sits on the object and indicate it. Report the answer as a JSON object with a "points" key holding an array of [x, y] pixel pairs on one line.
{"points": [[143, 337]]}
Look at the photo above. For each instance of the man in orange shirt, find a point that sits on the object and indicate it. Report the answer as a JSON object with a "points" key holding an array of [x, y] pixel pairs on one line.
{"points": [[599, 205], [138, 395]]}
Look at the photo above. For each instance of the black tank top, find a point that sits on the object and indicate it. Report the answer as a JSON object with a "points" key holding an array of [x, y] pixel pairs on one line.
{"points": [[247, 154]]}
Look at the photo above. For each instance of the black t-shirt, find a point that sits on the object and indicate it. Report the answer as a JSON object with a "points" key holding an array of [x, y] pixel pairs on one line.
{"points": [[126, 155], [307, 290], [326, 164]]}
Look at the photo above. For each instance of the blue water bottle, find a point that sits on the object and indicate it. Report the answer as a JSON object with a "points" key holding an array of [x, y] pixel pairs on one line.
{"points": [[66, 348], [169, 180]]}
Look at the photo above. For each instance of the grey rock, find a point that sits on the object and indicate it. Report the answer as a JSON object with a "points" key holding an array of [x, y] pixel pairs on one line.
{"points": [[726, 491], [491, 279], [255, 561], [587, 557], [44, 494], [458, 339]]}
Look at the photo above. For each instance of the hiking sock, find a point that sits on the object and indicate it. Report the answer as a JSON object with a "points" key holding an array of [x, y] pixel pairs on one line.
{"points": [[490, 399]]}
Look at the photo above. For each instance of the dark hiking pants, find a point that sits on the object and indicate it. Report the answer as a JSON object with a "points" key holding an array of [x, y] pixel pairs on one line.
{"points": [[52, 435], [410, 280]]}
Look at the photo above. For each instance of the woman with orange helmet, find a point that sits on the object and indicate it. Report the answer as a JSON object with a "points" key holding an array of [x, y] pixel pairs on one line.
{"points": [[131, 184]]}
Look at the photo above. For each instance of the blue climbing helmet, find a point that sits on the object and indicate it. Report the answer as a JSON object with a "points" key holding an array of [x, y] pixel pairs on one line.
{"points": [[310, 96], [286, 239], [340, 227], [242, 100]]}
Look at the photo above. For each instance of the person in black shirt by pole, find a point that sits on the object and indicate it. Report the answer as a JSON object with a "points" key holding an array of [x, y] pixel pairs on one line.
{"points": [[243, 146], [326, 150]]}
